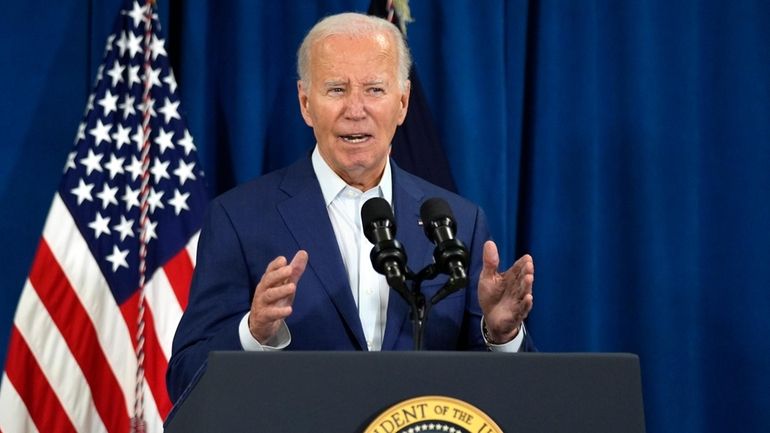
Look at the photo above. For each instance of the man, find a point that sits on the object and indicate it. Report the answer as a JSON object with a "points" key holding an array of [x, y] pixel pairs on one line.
{"points": [[353, 91]]}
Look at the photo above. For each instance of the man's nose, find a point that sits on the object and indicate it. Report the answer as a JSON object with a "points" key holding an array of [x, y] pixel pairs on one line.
{"points": [[355, 105]]}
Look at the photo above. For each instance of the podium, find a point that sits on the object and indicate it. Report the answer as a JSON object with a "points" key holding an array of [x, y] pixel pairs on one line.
{"points": [[344, 392]]}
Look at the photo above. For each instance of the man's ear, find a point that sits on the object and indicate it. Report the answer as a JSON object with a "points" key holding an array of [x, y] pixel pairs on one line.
{"points": [[304, 103], [405, 101]]}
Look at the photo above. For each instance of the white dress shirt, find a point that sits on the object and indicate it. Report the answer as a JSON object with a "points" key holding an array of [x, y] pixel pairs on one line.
{"points": [[370, 289]]}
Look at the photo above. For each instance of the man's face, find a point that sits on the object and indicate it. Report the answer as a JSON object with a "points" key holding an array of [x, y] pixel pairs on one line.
{"points": [[354, 104]]}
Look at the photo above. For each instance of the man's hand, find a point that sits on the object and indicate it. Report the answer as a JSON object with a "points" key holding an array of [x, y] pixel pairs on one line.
{"points": [[506, 298], [274, 295]]}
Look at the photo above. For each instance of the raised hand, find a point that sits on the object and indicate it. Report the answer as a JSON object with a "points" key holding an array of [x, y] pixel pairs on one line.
{"points": [[274, 295], [505, 298]]}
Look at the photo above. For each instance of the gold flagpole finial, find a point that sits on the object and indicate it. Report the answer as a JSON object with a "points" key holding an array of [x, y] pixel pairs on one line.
{"points": [[404, 13]]}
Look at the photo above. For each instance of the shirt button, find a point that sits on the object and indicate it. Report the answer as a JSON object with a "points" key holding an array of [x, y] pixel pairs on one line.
{"points": [[369, 344], [369, 291]]}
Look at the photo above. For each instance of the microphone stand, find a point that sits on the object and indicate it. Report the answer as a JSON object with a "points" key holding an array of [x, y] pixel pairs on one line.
{"points": [[389, 258], [410, 289]]}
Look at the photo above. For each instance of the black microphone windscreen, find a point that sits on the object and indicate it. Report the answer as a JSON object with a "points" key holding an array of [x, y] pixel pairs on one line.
{"points": [[433, 209], [375, 209]]}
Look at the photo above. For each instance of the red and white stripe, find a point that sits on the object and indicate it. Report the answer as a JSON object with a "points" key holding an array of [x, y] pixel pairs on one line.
{"points": [[71, 363]]}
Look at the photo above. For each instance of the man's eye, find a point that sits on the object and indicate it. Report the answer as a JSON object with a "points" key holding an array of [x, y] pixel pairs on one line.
{"points": [[336, 90], [376, 90]]}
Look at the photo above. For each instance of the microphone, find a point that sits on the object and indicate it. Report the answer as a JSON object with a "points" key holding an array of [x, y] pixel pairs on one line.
{"points": [[388, 255], [450, 254]]}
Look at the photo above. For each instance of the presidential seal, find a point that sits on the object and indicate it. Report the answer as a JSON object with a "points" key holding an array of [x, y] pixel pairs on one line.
{"points": [[433, 413]]}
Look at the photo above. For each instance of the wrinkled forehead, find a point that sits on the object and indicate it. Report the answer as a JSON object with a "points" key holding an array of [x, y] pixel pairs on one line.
{"points": [[365, 56], [374, 48]]}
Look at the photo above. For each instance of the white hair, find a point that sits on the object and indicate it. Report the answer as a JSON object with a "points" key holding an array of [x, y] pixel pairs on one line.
{"points": [[356, 25]]}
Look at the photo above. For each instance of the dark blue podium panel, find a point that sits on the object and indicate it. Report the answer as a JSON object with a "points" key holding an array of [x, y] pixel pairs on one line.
{"points": [[343, 392]]}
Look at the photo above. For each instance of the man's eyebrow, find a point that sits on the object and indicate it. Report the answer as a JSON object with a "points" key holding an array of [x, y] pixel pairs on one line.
{"points": [[333, 83]]}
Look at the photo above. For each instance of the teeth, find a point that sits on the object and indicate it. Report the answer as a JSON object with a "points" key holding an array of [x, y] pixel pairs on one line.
{"points": [[355, 138]]}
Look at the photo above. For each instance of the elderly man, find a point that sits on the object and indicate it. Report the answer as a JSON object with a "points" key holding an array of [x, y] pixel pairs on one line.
{"points": [[353, 91]]}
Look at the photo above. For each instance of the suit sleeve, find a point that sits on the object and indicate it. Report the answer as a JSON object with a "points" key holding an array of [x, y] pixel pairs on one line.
{"points": [[220, 296]]}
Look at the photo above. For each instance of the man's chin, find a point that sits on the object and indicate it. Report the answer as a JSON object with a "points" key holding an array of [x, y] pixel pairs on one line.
{"points": [[362, 174]]}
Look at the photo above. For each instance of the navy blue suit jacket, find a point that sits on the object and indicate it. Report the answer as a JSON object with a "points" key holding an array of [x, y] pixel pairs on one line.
{"points": [[283, 212]]}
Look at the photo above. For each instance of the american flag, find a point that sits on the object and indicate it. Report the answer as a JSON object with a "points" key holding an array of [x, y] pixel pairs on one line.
{"points": [[111, 274]]}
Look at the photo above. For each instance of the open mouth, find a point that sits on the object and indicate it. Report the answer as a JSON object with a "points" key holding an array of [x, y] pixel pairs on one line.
{"points": [[355, 138]]}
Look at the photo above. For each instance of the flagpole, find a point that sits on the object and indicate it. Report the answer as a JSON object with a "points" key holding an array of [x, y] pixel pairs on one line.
{"points": [[138, 422]]}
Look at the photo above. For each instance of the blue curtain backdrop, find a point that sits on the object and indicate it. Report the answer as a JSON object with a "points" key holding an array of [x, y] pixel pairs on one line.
{"points": [[625, 144]]}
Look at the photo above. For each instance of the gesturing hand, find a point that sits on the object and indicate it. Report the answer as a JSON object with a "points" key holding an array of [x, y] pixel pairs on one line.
{"points": [[505, 298], [274, 295]]}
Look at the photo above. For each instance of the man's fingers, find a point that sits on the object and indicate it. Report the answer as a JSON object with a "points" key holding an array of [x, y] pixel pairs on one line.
{"points": [[275, 295], [274, 273], [523, 265], [526, 282], [491, 260], [297, 265], [277, 263], [521, 275], [274, 278], [526, 304], [271, 314], [279, 272]]}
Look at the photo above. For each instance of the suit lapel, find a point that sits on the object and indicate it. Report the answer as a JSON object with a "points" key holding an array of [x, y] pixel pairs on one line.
{"points": [[306, 217], [406, 203]]}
